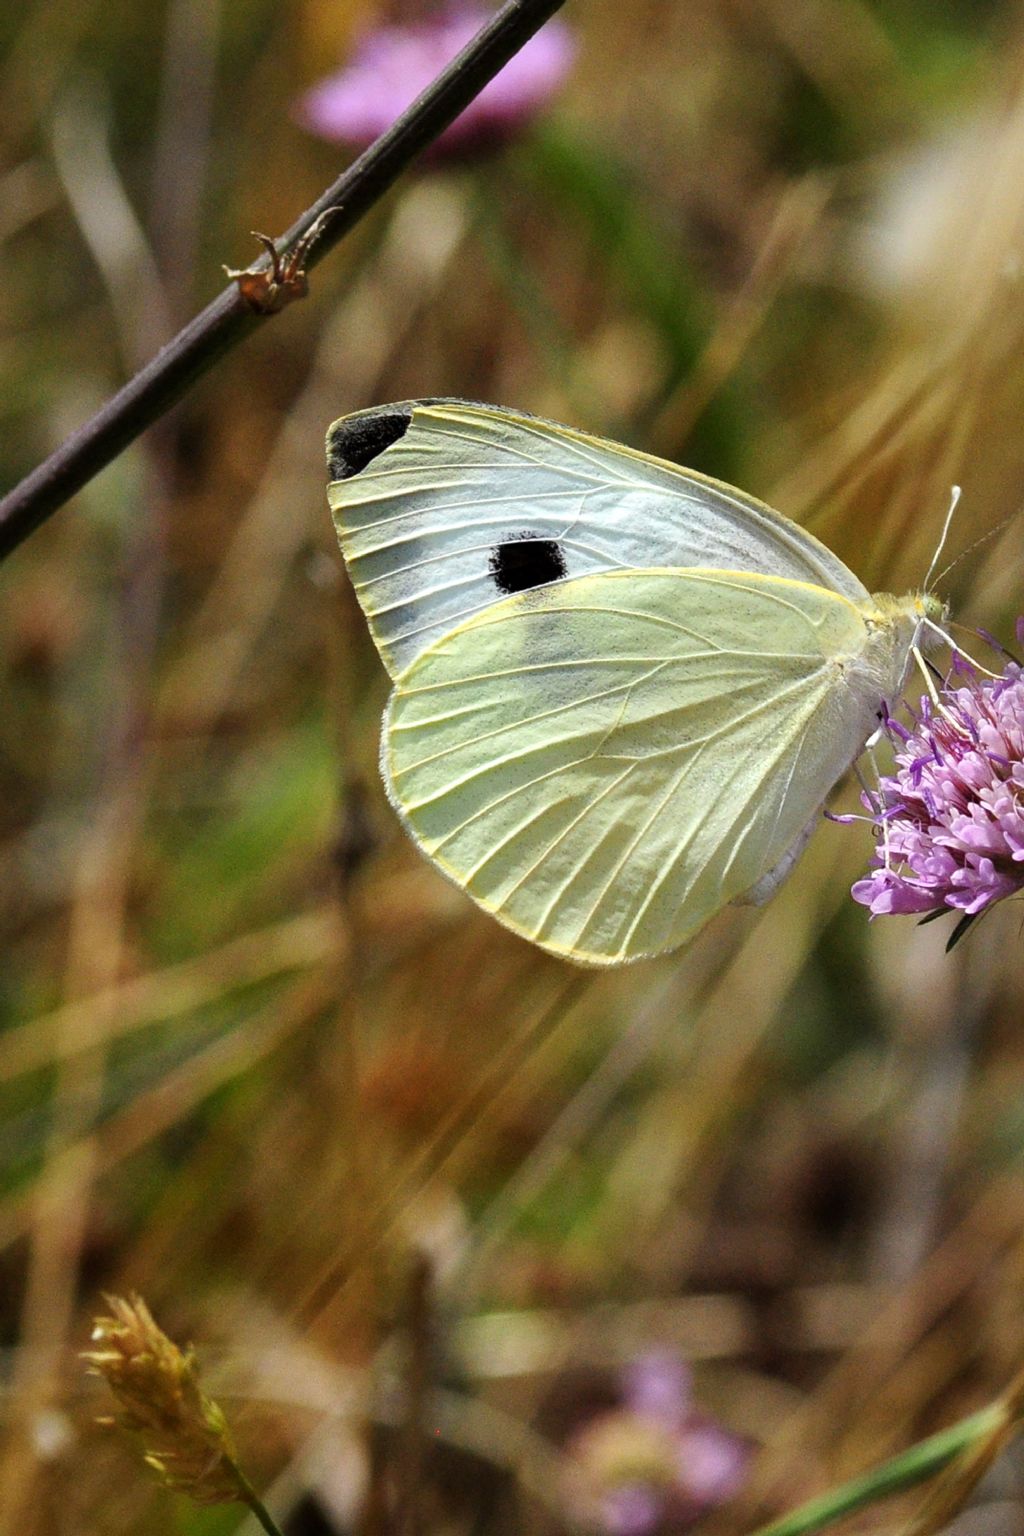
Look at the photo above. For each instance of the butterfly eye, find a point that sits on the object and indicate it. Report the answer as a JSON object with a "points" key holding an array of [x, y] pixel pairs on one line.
{"points": [[520, 563], [357, 440]]}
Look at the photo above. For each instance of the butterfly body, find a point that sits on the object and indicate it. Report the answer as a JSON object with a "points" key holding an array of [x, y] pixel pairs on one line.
{"points": [[622, 691]]}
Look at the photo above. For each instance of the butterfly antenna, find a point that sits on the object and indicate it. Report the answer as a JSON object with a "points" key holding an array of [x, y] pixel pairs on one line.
{"points": [[985, 537], [954, 498]]}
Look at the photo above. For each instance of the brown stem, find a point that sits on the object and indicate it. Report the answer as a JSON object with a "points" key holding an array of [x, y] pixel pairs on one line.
{"points": [[228, 319]]}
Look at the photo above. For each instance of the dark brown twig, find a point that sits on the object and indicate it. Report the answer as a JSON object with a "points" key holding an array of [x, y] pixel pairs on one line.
{"points": [[229, 319]]}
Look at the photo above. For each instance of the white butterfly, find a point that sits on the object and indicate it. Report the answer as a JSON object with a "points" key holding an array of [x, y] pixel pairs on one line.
{"points": [[622, 690]]}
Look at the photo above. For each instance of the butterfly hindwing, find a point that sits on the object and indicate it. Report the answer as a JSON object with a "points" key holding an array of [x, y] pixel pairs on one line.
{"points": [[444, 508], [605, 762]]}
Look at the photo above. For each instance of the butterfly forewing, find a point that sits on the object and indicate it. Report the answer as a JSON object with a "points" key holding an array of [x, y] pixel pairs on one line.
{"points": [[444, 507], [605, 762]]}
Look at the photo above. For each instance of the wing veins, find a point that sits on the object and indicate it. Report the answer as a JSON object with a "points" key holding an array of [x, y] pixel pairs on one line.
{"points": [[580, 815], [680, 850], [625, 857], [546, 714]]}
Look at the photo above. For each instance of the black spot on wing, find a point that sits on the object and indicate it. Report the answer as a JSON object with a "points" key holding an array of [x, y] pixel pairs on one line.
{"points": [[356, 441], [521, 562]]}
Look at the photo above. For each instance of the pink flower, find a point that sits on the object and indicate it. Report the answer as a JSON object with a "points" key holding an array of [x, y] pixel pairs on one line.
{"points": [[655, 1463], [950, 821], [391, 65]]}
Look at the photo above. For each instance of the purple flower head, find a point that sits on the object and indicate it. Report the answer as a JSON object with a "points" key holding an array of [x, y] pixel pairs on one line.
{"points": [[949, 823], [632, 1509], [658, 1386], [392, 64], [655, 1464]]}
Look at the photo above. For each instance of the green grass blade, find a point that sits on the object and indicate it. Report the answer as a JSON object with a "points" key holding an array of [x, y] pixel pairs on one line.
{"points": [[906, 1470]]}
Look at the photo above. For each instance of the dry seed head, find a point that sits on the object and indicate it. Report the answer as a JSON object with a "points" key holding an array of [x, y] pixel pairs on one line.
{"points": [[183, 1433]]}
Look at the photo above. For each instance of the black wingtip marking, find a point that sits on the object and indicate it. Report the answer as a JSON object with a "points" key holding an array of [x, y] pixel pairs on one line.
{"points": [[356, 441], [519, 563]]}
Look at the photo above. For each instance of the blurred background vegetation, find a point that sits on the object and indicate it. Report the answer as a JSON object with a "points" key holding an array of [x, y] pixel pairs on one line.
{"points": [[259, 1061]]}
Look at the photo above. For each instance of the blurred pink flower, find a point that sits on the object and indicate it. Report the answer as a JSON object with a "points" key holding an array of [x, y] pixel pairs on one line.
{"points": [[392, 64], [656, 1464]]}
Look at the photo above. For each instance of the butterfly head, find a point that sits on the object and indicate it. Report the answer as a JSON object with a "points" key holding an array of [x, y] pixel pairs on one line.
{"points": [[930, 613], [907, 629], [913, 615], [931, 616]]}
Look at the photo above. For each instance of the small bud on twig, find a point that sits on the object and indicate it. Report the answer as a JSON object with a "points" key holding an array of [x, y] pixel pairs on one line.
{"points": [[269, 289]]}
